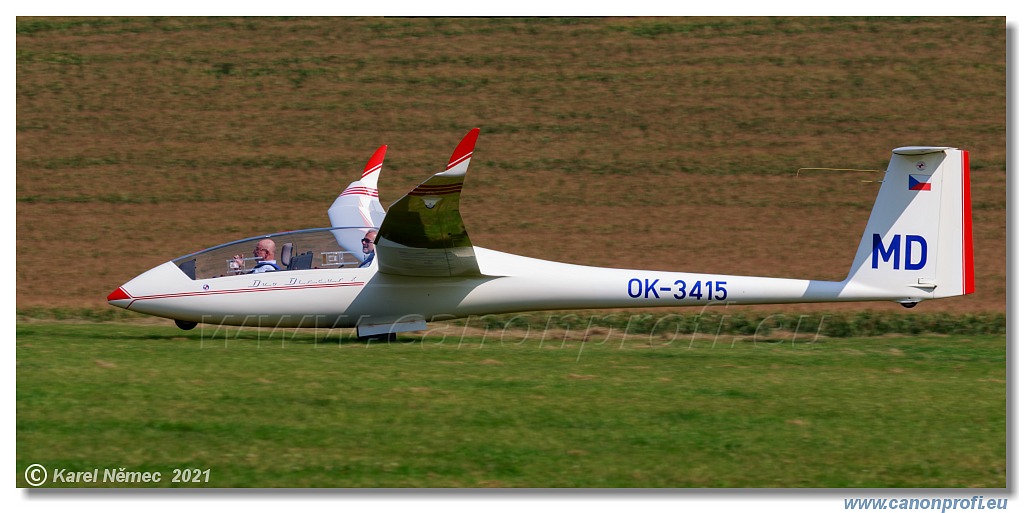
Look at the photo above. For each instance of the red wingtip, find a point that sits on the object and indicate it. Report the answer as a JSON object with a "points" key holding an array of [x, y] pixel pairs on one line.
{"points": [[118, 295], [465, 148], [376, 161]]}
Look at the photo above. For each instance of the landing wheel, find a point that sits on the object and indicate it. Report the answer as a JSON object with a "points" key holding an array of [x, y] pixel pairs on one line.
{"points": [[909, 304], [185, 325]]}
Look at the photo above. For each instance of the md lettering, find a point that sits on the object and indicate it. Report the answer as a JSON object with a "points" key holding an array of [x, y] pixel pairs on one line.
{"points": [[911, 250]]}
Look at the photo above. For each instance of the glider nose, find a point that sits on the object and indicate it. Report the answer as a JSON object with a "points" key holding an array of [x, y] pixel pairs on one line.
{"points": [[119, 297]]}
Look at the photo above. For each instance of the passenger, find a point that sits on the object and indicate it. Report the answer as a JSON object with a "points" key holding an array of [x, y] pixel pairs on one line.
{"points": [[264, 253], [368, 249]]}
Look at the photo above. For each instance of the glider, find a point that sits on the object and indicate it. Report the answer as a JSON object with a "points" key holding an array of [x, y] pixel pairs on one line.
{"points": [[917, 245]]}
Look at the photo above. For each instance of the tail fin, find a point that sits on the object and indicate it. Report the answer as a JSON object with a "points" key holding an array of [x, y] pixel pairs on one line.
{"points": [[918, 243], [358, 205]]}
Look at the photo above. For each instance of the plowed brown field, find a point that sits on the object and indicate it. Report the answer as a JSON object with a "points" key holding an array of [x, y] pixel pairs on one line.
{"points": [[638, 142]]}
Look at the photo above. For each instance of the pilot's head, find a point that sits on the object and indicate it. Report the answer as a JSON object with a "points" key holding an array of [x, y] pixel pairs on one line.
{"points": [[368, 241], [265, 249]]}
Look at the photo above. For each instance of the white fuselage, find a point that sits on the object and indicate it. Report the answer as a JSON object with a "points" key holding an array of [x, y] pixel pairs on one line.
{"points": [[347, 297], [917, 245]]}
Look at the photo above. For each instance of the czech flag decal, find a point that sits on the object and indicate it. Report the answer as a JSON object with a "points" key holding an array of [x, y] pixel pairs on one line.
{"points": [[920, 183]]}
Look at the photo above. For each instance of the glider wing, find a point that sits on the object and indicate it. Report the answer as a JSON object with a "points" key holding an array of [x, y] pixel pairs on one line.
{"points": [[423, 233], [358, 205]]}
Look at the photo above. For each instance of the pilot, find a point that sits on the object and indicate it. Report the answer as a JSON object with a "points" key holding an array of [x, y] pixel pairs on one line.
{"points": [[368, 249], [264, 253]]}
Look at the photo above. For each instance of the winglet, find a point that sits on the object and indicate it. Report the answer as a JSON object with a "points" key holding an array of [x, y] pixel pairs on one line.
{"points": [[464, 150], [373, 166]]}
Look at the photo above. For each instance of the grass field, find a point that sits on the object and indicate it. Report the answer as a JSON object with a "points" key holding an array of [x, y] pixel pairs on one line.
{"points": [[263, 409]]}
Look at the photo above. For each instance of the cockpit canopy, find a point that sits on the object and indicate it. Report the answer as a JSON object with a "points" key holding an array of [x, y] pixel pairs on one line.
{"points": [[314, 248]]}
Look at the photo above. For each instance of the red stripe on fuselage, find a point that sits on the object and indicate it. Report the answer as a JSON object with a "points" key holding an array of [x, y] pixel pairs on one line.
{"points": [[246, 290]]}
